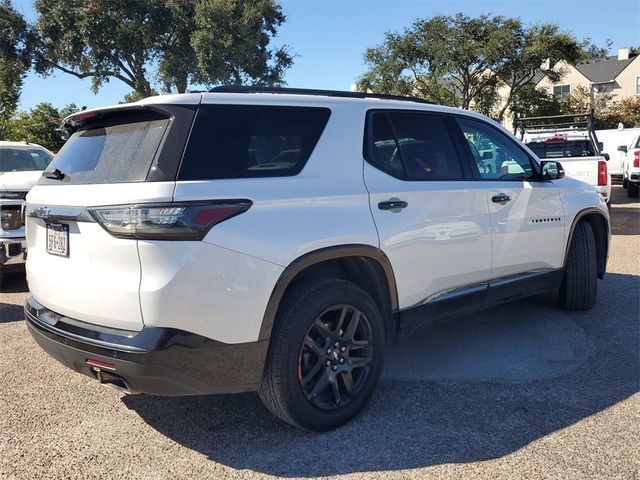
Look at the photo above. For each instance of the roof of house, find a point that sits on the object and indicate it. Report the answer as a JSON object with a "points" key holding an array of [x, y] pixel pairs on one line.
{"points": [[602, 71]]}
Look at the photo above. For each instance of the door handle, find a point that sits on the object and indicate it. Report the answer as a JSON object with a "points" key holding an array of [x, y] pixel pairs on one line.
{"points": [[501, 198], [395, 204]]}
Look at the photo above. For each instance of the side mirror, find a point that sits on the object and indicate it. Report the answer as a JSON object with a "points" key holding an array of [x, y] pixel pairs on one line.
{"points": [[622, 148], [606, 156], [600, 146], [552, 170], [487, 155]]}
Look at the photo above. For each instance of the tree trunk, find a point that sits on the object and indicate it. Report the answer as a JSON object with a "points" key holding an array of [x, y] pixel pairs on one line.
{"points": [[181, 84]]}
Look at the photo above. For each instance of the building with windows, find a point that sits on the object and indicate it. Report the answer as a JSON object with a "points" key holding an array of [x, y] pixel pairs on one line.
{"points": [[619, 75]]}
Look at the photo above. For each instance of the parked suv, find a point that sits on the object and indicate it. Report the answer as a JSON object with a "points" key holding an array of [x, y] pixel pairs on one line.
{"points": [[275, 240], [21, 164]]}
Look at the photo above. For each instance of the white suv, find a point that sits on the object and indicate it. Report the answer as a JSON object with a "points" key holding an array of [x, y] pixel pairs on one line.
{"points": [[21, 164], [276, 239]]}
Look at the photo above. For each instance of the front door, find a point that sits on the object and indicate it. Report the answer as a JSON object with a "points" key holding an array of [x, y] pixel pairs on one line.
{"points": [[432, 219], [527, 220]]}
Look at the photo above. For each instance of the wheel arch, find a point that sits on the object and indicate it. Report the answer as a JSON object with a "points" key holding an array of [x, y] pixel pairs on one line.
{"points": [[600, 226], [365, 265]]}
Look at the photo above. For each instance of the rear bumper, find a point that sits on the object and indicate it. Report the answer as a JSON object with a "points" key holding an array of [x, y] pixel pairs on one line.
{"points": [[13, 253], [159, 361]]}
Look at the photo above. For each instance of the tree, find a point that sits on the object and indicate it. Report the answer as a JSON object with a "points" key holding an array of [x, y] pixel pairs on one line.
{"points": [[591, 51], [534, 51], [463, 61], [445, 59], [15, 59], [221, 58], [530, 101], [177, 41], [41, 125], [608, 111]]}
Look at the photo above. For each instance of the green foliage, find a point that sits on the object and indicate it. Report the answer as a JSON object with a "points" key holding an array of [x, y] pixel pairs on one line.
{"points": [[15, 51], [41, 125], [534, 50], [134, 96], [608, 111], [533, 102], [444, 59], [173, 41], [463, 61], [231, 42], [591, 51]]}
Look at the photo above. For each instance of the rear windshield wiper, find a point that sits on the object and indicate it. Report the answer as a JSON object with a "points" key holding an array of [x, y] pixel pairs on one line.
{"points": [[55, 175]]}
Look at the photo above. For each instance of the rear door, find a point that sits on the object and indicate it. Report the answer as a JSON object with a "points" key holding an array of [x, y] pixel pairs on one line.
{"points": [[74, 266], [432, 218], [527, 219]]}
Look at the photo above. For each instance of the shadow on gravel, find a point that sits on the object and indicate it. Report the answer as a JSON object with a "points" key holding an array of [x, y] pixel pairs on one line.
{"points": [[12, 283], [494, 401], [625, 221]]}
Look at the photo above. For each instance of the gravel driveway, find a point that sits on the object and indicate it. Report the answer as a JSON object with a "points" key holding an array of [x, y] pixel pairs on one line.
{"points": [[520, 391]]}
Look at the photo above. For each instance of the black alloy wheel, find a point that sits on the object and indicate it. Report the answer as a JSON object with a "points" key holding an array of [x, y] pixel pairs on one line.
{"points": [[335, 358], [326, 354]]}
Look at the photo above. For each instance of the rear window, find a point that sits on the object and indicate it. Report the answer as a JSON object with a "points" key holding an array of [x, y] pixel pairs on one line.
{"points": [[23, 159], [246, 141], [562, 149], [115, 152]]}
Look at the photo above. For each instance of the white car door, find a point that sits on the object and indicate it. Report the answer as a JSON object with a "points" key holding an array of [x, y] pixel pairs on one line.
{"points": [[527, 219], [432, 218]]}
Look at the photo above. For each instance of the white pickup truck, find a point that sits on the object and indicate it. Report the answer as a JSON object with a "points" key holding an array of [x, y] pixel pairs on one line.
{"points": [[630, 162], [616, 142], [21, 165], [631, 168], [571, 140]]}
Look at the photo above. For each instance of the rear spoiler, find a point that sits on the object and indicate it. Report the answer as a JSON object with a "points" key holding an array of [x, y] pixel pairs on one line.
{"points": [[159, 104], [74, 121]]}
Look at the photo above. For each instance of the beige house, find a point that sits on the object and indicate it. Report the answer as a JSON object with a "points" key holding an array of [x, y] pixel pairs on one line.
{"points": [[619, 75]]}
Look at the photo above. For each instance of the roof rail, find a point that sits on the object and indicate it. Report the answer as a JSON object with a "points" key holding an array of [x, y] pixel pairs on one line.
{"points": [[309, 91]]}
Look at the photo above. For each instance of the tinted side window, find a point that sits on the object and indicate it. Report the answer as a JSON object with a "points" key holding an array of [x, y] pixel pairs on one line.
{"points": [[426, 149], [244, 141], [383, 152], [496, 155]]}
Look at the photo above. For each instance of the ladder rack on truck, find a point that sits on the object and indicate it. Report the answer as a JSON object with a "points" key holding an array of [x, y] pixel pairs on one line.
{"points": [[556, 124]]}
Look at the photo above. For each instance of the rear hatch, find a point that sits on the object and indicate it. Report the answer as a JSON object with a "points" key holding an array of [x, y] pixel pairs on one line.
{"points": [[119, 156]]}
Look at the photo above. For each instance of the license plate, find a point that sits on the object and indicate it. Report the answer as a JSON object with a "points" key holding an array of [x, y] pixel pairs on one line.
{"points": [[58, 239]]}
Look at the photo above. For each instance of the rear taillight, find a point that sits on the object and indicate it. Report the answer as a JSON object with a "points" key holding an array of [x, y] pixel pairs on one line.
{"points": [[171, 221], [636, 159], [603, 178]]}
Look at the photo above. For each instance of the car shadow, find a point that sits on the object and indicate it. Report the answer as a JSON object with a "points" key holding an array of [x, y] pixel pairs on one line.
{"points": [[12, 283], [475, 388]]}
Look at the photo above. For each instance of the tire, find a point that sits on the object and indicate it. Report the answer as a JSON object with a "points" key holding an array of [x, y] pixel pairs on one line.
{"points": [[579, 287], [308, 312], [632, 189], [625, 182]]}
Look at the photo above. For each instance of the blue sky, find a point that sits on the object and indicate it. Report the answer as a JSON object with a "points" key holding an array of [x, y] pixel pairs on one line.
{"points": [[330, 37]]}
